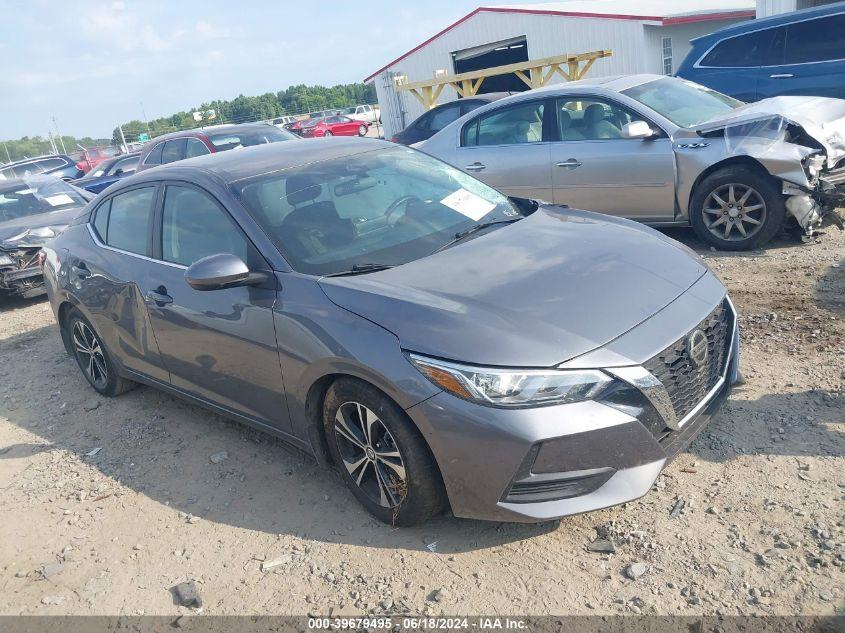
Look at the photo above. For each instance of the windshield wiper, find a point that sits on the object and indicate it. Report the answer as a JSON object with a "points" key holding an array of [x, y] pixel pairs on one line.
{"points": [[473, 229], [360, 269]]}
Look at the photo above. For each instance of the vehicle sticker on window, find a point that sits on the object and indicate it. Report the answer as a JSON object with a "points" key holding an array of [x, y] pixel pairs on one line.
{"points": [[467, 203], [58, 200]]}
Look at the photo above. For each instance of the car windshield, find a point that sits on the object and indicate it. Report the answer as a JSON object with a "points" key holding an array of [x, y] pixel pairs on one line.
{"points": [[684, 103], [33, 196], [245, 138], [349, 110], [380, 208]]}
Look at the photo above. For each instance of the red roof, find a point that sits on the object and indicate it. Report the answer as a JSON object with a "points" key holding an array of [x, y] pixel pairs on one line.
{"points": [[664, 21]]}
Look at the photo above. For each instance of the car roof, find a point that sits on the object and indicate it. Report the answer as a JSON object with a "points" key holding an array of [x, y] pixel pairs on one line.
{"points": [[773, 20], [204, 131], [246, 162], [42, 157]]}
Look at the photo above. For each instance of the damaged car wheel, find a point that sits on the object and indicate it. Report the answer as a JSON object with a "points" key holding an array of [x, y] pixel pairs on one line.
{"points": [[736, 208], [93, 357], [381, 455]]}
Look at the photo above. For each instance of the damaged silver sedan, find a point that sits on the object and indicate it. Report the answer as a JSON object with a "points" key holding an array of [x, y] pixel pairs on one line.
{"points": [[664, 151], [32, 211]]}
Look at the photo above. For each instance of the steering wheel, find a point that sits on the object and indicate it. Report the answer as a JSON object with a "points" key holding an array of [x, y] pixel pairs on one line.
{"points": [[396, 204]]}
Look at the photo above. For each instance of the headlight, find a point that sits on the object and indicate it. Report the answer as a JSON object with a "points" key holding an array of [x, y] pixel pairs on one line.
{"points": [[5, 260], [40, 234], [44, 231], [512, 387]]}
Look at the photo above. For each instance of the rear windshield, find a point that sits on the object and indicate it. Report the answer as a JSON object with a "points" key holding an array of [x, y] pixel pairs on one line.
{"points": [[31, 197], [231, 139], [384, 207]]}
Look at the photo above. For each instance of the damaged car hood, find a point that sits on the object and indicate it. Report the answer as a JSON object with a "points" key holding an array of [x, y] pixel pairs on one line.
{"points": [[822, 118], [57, 220], [550, 287]]}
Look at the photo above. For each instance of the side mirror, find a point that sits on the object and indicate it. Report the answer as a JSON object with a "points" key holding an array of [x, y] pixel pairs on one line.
{"points": [[118, 172], [637, 129], [223, 270]]}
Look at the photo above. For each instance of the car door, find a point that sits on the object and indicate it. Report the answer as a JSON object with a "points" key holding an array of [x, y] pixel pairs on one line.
{"points": [[218, 345], [809, 62], [508, 149], [107, 278], [595, 168], [347, 126]]}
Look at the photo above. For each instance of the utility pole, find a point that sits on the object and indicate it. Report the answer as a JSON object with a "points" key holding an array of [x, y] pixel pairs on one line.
{"points": [[123, 138], [144, 114], [52, 142], [6, 147], [61, 140]]}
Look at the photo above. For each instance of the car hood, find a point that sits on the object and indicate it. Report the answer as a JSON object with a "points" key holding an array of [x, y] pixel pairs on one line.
{"points": [[822, 118], [531, 294], [54, 219]]}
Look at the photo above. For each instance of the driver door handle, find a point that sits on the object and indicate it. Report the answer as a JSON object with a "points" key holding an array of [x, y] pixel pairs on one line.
{"points": [[570, 163], [476, 166], [159, 296]]}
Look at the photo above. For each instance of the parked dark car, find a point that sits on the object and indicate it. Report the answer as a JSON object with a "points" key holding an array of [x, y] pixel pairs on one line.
{"points": [[442, 345], [32, 210], [170, 148], [57, 165], [428, 124], [797, 53], [109, 172]]}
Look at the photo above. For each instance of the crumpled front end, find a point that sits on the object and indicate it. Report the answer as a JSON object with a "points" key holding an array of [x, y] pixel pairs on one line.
{"points": [[20, 272], [800, 140]]}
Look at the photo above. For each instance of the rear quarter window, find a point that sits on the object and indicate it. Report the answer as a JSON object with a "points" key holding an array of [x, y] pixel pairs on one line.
{"points": [[154, 157]]}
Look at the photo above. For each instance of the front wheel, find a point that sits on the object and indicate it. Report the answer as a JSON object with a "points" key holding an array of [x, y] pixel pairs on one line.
{"points": [[381, 455], [327, 134], [362, 130], [737, 208]]}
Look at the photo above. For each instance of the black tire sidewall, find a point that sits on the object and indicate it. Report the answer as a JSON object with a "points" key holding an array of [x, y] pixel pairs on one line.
{"points": [[425, 497], [763, 183]]}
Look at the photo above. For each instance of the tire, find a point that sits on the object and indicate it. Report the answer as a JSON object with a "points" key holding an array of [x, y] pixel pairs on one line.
{"points": [[96, 365], [710, 219], [327, 134], [394, 447], [362, 130]]}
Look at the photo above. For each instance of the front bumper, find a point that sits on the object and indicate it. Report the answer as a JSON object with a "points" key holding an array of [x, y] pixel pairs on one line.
{"points": [[529, 465], [24, 277]]}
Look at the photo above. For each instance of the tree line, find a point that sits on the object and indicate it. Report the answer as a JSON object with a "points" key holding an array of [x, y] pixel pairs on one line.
{"points": [[295, 100]]}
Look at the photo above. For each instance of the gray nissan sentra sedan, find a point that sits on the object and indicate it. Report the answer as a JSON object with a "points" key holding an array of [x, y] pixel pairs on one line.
{"points": [[442, 345]]}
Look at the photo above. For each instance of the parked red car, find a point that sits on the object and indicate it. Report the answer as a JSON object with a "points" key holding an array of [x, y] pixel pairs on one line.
{"points": [[337, 125], [93, 157]]}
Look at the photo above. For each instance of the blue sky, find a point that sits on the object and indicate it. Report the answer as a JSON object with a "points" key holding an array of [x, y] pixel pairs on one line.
{"points": [[91, 64]]}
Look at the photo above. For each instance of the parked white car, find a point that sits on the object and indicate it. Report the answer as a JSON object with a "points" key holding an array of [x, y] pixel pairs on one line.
{"points": [[282, 121], [366, 113]]}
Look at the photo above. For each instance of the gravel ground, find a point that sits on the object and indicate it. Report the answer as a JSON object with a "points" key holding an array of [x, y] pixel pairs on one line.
{"points": [[108, 504]]}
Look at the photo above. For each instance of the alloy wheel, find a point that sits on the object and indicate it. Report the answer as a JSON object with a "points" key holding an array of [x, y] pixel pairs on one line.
{"points": [[90, 354], [370, 454], [734, 212], [362, 130]]}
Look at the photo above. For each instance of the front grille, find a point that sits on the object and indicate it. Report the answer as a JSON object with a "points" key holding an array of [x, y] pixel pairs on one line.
{"points": [[686, 384]]}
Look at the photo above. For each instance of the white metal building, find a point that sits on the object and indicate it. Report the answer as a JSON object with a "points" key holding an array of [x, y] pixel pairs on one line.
{"points": [[772, 7], [649, 36]]}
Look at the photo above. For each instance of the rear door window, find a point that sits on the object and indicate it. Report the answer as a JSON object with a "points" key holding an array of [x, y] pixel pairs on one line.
{"points": [[195, 147], [173, 150], [512, 125], [444, 117], [742, 51], [129, 220], [818, 40]]}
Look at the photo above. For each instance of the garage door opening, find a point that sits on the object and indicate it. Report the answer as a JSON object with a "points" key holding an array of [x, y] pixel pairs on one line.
{"points": [[501, 53]]}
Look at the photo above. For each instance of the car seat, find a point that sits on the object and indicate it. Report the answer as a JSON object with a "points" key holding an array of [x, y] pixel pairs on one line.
{"points": [[312, 227], [596, 125]]}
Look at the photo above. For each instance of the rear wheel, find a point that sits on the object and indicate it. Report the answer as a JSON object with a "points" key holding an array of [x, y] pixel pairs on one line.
{"points": [[93, 357], [381, 455], [737, 208], [362, 130]]}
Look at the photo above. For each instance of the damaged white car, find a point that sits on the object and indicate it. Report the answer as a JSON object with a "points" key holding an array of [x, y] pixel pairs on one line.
{"points": [[664, 151]]}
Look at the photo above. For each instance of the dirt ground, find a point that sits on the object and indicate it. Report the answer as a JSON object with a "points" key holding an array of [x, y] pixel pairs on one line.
{"points": [[757, 525]]}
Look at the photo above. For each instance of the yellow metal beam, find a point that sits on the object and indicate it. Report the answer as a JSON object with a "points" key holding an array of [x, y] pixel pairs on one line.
{"points": [[535, 77]]}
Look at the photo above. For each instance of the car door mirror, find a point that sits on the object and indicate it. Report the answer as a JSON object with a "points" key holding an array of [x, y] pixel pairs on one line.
{"points": [[223, 270], [637, 129], [118, 172]]}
